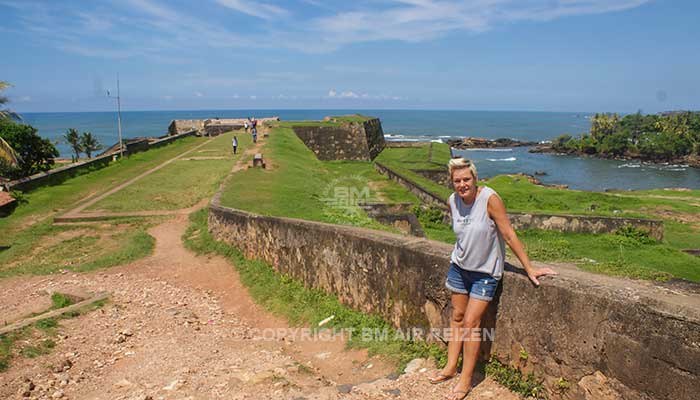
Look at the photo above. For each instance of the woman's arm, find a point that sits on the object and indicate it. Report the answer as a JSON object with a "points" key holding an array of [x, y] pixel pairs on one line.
{"points": [[497, 212]]}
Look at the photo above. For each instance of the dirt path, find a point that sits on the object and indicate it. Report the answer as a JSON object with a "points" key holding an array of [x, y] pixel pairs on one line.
{"points": [[181, 326]]}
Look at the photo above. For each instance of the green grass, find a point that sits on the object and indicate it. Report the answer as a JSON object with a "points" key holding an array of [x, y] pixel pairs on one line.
{"points": [[357, 118], [36, 340], [181, 184], [296, 184], [303, 306], [75, 248], [60, 300], [29, 231], [44, 202], [609, 254], [530, 386]]}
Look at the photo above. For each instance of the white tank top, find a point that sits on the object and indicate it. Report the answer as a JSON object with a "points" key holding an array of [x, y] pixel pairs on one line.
{"points": [[479, 245]]}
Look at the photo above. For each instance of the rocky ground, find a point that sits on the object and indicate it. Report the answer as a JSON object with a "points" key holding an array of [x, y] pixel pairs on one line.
{"points": [[179, 326]]}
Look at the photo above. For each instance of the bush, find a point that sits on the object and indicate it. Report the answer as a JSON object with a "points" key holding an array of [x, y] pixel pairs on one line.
{"points": [[37, 153], [635, 234]]}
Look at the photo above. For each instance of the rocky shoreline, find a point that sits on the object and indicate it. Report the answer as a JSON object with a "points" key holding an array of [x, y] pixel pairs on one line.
{"points": [[691, 160], [481, 143]]}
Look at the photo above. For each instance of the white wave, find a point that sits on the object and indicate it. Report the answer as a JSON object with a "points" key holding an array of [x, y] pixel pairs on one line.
{"points": [[437, 141], [484, 149], [629, 165], [502, 159], [673, 169], [389, 135]]}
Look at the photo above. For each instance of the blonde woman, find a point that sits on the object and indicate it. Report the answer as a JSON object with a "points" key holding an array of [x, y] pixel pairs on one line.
{"points": [[481, 225]]}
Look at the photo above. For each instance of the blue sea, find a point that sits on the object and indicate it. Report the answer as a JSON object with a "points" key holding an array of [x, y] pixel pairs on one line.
{"points": [[578, 173]]}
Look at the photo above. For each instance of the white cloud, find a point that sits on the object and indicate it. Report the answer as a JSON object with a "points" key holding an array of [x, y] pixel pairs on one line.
{"points": [[420, 20], [349, 94], [253, 97], [154, 28], [24, 99], [198, 94], [255, 8], [332, 93], [168, 98]]}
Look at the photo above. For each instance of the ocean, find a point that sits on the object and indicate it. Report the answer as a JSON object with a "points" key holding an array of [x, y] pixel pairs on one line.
{"points": [[578, 173]]}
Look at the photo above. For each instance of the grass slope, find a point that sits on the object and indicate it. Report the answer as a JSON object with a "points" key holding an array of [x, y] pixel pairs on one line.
{"points": [[296, 184]]}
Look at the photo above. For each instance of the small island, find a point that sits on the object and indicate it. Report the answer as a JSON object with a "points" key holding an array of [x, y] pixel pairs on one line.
{"points": [[669, 137]]}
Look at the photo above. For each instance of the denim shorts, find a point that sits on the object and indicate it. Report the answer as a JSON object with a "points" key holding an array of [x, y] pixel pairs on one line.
{"points": [[477, 285]]}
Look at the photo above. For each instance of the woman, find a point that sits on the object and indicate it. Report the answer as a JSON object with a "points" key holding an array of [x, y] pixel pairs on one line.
{"points": [[481, 224]]}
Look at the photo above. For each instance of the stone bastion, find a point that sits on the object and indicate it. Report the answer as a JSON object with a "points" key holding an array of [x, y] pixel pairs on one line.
{"points": [[358, 140]]}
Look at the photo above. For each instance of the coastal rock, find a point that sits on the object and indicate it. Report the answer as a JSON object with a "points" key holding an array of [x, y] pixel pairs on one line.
{"points": [[481, 143]]}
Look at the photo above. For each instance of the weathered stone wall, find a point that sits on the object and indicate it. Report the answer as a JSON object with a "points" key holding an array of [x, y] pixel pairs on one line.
{"points": [[425, 195], [185, 125], [584, 224], [608, 337], [218, 129], [60, 174], [556, 222], [441, 177], [350, 141]]}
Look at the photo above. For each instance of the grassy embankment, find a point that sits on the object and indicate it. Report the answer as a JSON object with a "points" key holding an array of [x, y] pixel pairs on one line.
{"points": [[296, 184], [614, 254], [39, 247], [181, 184]]}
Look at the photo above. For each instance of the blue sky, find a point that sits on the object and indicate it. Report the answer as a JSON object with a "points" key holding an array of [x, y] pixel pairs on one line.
{"points": [[547, 55]]}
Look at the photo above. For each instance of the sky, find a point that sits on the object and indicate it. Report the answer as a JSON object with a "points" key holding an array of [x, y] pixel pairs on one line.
{"points": [[539, 55]]}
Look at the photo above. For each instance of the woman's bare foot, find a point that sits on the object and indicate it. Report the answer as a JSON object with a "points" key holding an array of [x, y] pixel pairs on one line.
{"points": [[462, 389], [445, 375]]}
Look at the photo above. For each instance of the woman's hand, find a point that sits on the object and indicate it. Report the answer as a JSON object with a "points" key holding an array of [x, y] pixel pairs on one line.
{"points": [[533, 274]]}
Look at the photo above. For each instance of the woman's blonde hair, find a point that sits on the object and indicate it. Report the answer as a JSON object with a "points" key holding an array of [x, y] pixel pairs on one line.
{"points": [[459, 163]]}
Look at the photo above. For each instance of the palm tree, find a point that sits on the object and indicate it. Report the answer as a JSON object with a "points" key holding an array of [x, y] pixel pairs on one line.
{"points": [[6, 113], [89, 143], [73, 139], [8, 154]]}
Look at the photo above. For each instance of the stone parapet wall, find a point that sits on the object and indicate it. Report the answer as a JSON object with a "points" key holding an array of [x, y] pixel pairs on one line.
{"points": [[556, 222], [60, 174], [610, 338], [585, 224], [349, 141], [425, 195]]}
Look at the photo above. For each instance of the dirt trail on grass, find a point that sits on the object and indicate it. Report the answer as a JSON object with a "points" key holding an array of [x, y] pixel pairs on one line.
{"points": [[181, 326]]}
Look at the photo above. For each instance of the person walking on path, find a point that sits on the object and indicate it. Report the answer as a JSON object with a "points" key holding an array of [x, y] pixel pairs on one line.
{"points": [[254, 129], [234, 143], [480, 222]]}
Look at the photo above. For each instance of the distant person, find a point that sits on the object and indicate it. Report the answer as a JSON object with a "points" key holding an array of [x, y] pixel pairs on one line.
{"points": [[254, 126], [480, 222], [234, 143], [245, 125]]}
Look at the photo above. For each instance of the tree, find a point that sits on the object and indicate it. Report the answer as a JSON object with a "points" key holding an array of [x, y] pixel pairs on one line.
{"points": [[603, 125], [6, 113], [89, 143], [73, 139], [35, 154]]}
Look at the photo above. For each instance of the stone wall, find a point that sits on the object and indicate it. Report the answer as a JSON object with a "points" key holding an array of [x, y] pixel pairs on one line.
{"points": [[211, 126], [425, 195], [585, 224], [349, 141], [608, 337], [556, 222], [60, 174], [439, 176], [180, 126]]}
